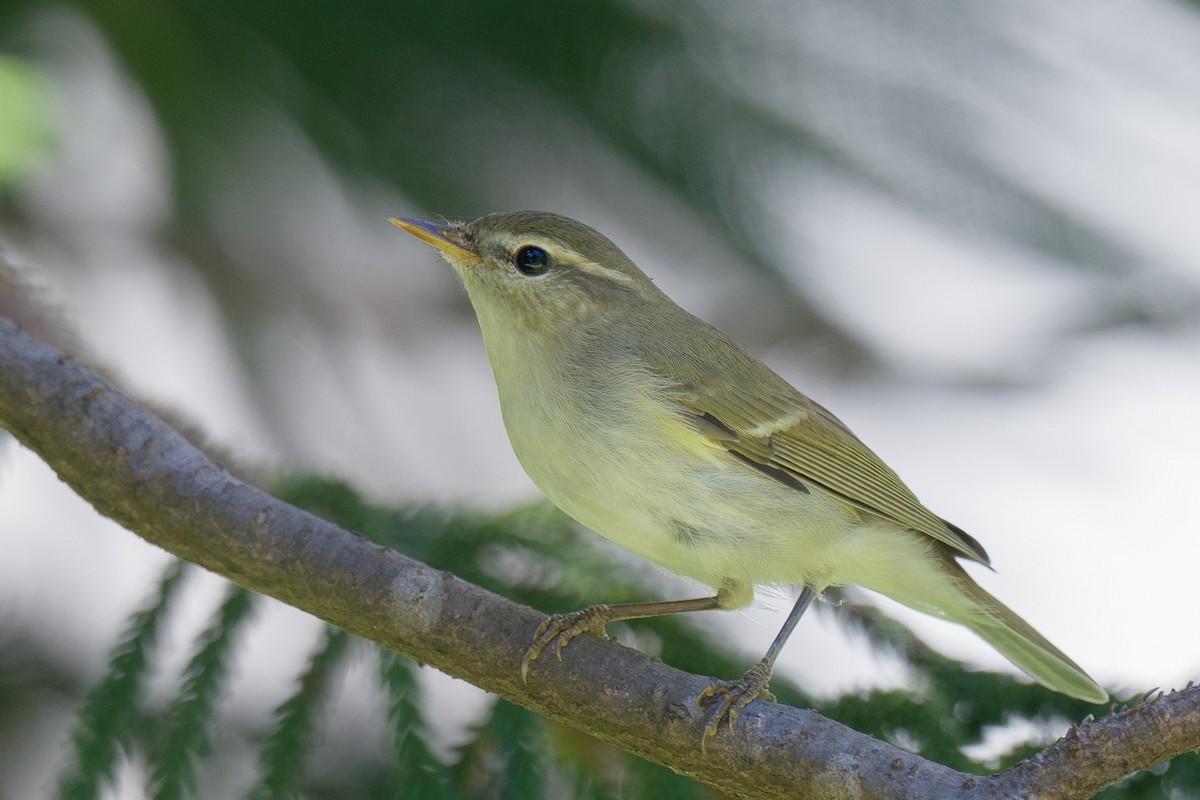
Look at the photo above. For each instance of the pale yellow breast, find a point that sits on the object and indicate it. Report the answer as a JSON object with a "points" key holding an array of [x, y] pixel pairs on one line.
{"points": [[609, 449]]}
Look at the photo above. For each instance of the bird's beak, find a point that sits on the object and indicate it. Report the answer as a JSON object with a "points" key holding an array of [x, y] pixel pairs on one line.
{"points": [[442, 236]]}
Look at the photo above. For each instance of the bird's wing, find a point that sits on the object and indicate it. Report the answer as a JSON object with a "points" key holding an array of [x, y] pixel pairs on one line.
{"points": [[765, 423]]}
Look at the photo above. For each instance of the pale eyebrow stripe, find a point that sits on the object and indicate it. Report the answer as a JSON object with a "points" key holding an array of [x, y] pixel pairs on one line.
{"points": [[601, 271], [569, 256]]}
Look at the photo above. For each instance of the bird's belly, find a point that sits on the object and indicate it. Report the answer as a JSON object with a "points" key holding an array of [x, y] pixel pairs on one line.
{"points": [[691, 509]]}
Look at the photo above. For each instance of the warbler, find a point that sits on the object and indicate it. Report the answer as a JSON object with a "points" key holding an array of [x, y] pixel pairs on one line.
{"points": [[662, 434]]}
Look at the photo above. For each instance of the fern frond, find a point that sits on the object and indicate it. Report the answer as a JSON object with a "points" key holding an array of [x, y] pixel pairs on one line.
{"points": [[504, 757], [107, 720], [172, 771], [520, 747], [419, 775], [284, 754], [953, 706]]}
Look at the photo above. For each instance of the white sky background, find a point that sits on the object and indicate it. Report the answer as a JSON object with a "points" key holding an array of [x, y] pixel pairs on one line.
{"points": [[1081, 483]]}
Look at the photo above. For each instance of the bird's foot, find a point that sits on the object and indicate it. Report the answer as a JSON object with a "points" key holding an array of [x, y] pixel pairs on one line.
{"points": [[732, 696], [562, 628]]}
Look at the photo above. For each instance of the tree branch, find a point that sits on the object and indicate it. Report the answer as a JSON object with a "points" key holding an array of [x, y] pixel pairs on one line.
{"points": [[140, 472], [1097, 754]]}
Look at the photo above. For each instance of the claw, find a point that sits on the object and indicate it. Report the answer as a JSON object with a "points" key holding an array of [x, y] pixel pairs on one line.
{"points": [[561, 629], [732, 697]]}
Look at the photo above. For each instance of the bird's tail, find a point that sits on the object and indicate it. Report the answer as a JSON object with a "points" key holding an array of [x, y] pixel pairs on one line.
{"points": [[1017, 641]]}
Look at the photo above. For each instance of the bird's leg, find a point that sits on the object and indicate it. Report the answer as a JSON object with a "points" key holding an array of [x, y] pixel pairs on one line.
{"points": [[733, 696], [565, 627]]}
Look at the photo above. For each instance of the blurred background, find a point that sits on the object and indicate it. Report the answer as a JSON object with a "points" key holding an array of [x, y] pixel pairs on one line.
{"points": [[970, 230]]}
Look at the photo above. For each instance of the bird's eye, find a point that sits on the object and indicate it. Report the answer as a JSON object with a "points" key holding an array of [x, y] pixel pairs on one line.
{"points": [[532, 260]]}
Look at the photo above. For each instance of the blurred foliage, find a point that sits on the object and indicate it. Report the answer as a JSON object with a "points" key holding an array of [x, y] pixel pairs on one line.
{"points": [[513, 753], [432, 98], [186, 737], [418, 773], [107, 719], [26, 131], [422, 95], [284, 752]]}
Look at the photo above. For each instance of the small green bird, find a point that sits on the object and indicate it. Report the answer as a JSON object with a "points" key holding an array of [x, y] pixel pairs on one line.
{"points": [[665, 436]]}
